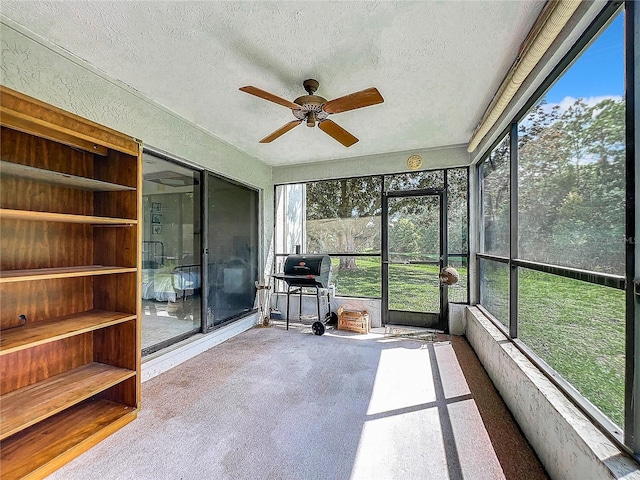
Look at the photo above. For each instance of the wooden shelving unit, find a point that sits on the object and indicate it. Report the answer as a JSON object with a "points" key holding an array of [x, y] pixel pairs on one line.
{"points": [[63, 217], [70, 239], [26, 172], [10, 276], [56, 329], [29, 405]]}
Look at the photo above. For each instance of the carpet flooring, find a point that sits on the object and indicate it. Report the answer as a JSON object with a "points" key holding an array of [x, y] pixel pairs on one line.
{"points": [[278, 404]]}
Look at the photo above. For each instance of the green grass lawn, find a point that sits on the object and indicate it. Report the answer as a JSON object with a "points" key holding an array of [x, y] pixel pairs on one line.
{"points": [[576, 327], [579, 330]]}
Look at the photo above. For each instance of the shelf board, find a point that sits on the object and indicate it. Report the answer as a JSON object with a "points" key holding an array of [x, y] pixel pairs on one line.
{"points": [[63, 217], [9, 276], [29, 405], [35, 334], [46, 446], [11, 169]]}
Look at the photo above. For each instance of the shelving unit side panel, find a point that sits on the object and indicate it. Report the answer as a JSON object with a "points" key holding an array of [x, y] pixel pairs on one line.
{"points": [[29, 244], [116, 345], [42, 300], [26, 367], [115, 246], [33, 151], [116, 293]]}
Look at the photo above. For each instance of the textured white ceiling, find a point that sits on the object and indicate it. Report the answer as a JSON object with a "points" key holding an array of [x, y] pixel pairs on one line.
{"points": [[437, 64]]}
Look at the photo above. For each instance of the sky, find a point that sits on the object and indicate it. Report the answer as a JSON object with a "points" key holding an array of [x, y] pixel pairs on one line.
{"points": [[598, 73]]}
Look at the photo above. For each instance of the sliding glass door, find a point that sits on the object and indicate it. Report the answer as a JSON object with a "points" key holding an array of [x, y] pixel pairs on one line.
{"points": [[179, 204], [231, 250]]}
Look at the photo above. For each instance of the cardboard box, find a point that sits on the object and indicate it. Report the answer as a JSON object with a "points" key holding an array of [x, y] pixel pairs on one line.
{"points": [[353, 320]]}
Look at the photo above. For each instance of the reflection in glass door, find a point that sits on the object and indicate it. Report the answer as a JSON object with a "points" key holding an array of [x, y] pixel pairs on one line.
{"points": [[171, 277], [412, 258]]}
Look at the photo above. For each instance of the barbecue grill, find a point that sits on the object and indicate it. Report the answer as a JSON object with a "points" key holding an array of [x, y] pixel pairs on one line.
{"points": [[312, 272]]}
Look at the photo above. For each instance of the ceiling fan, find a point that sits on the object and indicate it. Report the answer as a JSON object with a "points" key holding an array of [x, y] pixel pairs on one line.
{"points": [[313, 108]]}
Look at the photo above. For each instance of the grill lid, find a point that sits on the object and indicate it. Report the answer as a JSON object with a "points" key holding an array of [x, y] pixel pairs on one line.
{"points": [[311, 270]]}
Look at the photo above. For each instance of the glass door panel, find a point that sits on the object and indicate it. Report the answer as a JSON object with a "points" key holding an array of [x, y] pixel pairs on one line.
{"points": [[413, 260], [171, 277], [232, 251]]}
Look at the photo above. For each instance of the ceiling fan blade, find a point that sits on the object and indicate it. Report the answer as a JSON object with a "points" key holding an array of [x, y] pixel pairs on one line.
{"points": [[363, 98], [271, 97], [281, 131], [337, 132]]}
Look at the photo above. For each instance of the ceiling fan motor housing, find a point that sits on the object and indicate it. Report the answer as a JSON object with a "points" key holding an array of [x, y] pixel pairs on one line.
{"points": [[310, 104]]}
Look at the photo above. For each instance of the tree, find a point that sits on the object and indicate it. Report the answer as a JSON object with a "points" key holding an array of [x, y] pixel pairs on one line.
{"points": [[495, 200], [571, 186], [343, 216], [343, 213]]}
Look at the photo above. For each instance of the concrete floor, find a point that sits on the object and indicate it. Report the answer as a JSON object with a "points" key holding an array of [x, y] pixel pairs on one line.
{"points": [[277, 404]]}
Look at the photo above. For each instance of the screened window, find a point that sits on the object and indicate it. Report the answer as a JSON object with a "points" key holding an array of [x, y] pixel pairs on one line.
{"points": [[571, 187], [570, 226], [414, 180], [494, 178], [578, 329], [494, 289], [343, 216], [457, 230]]}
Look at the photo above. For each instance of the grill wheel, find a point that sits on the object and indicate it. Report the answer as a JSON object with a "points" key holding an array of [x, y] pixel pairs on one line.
{"points": [[317, 328]]}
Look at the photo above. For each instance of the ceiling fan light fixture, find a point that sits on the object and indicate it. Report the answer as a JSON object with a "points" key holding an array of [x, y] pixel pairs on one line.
{"points": [[311, 119]]}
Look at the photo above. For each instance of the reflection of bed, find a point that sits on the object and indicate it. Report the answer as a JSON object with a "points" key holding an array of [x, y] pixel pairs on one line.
{"points": [[157, 286], [162, 286], [186, 280], [161, 283]]}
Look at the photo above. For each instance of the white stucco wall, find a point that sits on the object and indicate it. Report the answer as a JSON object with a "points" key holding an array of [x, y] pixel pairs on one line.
{"points": [[39, 69], [433, 159]]}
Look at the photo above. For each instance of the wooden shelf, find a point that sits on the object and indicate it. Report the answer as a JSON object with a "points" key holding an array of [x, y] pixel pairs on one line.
{"points": [[44, 447], [29, 405], [63, 217], [35, 334], [11, 169], [9, 276]]}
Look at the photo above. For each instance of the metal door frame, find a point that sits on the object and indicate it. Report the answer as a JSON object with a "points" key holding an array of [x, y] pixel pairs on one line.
{"points": [[441, 193]]}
